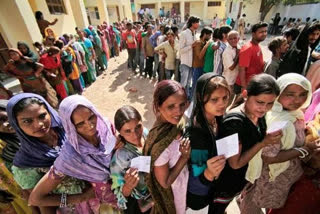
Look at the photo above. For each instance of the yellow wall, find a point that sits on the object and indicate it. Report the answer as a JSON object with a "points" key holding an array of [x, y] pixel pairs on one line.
{"points": [[18, 23], [196, 9], [221, 11], [92, 15], [66, 22]]}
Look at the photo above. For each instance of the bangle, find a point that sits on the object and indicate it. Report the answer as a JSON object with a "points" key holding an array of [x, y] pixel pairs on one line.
{"points": [[63, 202], [303, 152]]}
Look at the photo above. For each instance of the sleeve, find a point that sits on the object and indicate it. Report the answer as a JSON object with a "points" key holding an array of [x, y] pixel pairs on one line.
{"points": [[232, 126], [227, 60], [160, 46], [27, 178], [183, 44], [163, 158], [216, 60], [245, 57]]}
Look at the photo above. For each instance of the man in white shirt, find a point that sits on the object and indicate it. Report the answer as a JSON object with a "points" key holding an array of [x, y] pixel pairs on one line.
{"points": [[230, 58], [186, 42]]}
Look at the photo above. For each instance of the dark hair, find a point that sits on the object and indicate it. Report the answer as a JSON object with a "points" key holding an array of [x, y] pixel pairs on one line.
{"points": [[37, 44], [214, 84], [205, 30], [276, 43], [216, 33], [22, 104], [125, 114], [263, 84], [174, 28], [307, 19], [293, 32], [166, 29], [59, 44], [38, 15], [313, 27], [192, 20], [53, 50], [163, 90], [224, 30], [257, 26]]}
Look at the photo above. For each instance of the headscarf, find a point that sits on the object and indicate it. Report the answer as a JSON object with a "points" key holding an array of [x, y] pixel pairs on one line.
{"points": [[63, 40], [198, 119], [11, 139], [34, 153], [47, 34], [30, 53], [314, 108], [88, 32], [278, 114], [79, 158]]}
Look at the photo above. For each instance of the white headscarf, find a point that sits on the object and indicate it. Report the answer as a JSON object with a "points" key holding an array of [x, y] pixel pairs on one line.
{"points": [[289, 133]]}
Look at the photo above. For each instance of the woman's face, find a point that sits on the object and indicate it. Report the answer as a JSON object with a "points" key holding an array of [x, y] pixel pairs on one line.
{"points": [[5, 127], [259, 105], [34, 120], [50, 32], [172, 109], [132, 132], [217, 103], [85, 121], [23, 49], [14, 56], [284, 47], [293, 97]]}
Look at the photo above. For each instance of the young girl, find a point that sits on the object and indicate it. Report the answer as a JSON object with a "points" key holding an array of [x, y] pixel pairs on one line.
{"points": [[248, 121], [211, 100], [127, 183], [86, 156], [281, 166], [168, 178]]}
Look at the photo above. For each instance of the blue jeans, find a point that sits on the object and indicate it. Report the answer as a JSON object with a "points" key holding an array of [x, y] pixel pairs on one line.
{"points": [[141, 62], [169, 74], [186, 77], [197, 72]]}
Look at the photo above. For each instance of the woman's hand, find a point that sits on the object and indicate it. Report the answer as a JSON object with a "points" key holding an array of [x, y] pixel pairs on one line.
{"points": [[131, 178], [214, 167], [272, 138], [313, 146], [185, 148]]}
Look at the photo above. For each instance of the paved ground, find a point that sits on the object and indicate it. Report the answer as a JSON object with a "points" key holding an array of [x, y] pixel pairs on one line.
{"points": [[113, 89]]}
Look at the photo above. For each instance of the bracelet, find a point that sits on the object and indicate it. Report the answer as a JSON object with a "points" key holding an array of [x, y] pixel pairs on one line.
{"points": [[63, 202], [303, 152]]}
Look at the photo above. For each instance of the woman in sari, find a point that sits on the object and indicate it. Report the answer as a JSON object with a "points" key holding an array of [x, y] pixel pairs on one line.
{"points": [[89, 76], [41, 136], [25, 50], [97, 45], [54, 71], [85, 156], [127, 183], [11, 196], [30, 76], [169, 151]]}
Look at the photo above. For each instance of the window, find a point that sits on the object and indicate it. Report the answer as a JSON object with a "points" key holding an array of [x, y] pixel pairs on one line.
{"points": [[150, 6], [230, 9], [214, 3], [97, 13], [56, 6]]}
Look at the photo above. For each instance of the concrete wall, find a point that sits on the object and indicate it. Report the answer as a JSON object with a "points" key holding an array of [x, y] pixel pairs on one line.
{"points": [[18, 23], [66, 22], [250, 8], [92, 14]]}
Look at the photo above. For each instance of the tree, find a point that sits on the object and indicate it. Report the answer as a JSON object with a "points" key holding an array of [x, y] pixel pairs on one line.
{"points": [[266, 6]]}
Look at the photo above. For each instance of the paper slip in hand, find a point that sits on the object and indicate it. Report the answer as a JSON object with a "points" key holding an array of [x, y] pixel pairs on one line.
{"points": [[142, 163], [276, 126], [228, 146]]}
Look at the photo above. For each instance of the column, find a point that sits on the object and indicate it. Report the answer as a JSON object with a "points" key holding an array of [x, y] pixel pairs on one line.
{"points": [[205, 10], [121, 14], [158, 6], [79, 13], [18, 23], [182, 11], [103, 11]]}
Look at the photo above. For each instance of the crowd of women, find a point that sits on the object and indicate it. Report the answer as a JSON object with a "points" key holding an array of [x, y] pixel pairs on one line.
{"points": [[74, 160], [67, 64]]}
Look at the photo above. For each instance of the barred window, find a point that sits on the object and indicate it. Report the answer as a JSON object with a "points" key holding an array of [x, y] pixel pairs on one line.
{"points": [[56, 6], [214, 3]]}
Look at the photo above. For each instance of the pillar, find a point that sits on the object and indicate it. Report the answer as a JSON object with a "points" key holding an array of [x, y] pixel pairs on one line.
{"points": [[158, 6], [18, 23], [79, 13], [103, 11], [205, 10], [182, 11], [121, 13]]}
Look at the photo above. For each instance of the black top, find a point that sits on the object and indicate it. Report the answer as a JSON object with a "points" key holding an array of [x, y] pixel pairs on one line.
{"points": [[232, 181]]}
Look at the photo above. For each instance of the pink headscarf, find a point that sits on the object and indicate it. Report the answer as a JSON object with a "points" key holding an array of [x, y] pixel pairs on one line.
{"points": [[314, 108]]}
